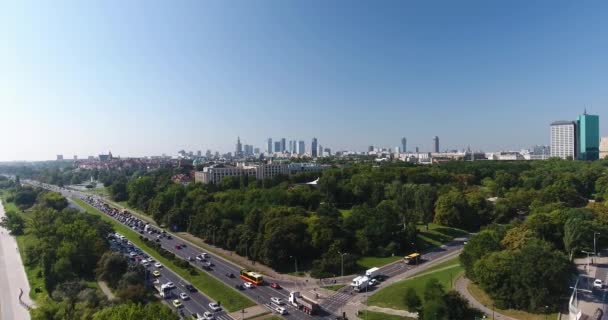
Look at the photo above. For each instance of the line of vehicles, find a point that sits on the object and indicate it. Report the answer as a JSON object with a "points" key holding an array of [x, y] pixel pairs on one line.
{"points": [[251, 279]]}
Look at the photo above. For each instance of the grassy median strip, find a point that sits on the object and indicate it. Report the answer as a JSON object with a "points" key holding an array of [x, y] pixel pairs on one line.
{"points": [[231, 299]]}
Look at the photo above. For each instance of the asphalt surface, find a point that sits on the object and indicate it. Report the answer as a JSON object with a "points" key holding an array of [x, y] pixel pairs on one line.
{"points": [[331, 306], [334, 303], [12, 278]]}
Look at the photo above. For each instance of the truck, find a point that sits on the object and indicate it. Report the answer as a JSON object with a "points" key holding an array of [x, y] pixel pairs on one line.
{"points": [[372, 273], [359, 283], [162, 289], [303, 303]]}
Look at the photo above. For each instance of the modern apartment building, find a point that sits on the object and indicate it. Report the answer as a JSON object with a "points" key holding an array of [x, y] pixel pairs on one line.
{"points": [[563, 139]]}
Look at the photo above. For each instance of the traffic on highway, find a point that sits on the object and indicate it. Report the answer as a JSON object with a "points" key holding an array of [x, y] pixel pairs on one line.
{"points": [[221, 269]]}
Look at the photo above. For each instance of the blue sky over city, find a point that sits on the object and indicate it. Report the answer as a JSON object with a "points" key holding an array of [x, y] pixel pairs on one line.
{"points": [[151, 77]]}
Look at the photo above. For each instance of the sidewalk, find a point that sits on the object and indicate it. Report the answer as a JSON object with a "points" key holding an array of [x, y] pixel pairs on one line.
{"points": [[461, 286], [13, 280]]}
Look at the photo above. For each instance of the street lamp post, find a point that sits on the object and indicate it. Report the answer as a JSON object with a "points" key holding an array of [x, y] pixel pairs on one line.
{"points": [[296, 262], [342, 263], [594, 241]]}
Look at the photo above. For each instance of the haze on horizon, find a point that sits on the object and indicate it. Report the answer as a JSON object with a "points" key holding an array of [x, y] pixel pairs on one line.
{"points": [[150, 77]]}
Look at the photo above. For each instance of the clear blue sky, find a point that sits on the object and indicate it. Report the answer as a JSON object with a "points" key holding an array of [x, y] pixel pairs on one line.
{"points": [[147, 77]]}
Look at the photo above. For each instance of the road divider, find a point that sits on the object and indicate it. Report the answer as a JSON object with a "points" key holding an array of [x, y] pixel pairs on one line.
{"points": [[232, 300]]}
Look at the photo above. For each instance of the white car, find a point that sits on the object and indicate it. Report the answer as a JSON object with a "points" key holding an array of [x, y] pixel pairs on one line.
{"points": [[248, 285], [184, 296], [215, 307], [277, 300], [208, 316], [132, 254], [158, 265], [598, 284], [169, 285], [145, 263]]}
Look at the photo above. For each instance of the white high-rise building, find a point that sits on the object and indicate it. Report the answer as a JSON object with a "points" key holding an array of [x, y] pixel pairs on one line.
{"points": [[563, 139]]}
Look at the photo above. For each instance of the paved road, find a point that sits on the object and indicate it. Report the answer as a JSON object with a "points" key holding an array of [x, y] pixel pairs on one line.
{"points": [[12, 278], [262, 294], [198, 303]]}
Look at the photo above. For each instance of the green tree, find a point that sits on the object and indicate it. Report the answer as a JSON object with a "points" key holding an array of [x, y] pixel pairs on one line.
{"points": [[14, 222], [412, 300]]}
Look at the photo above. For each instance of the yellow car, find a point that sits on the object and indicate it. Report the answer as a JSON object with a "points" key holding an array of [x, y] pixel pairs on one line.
{"points": [[177, 303], [156, 273]]}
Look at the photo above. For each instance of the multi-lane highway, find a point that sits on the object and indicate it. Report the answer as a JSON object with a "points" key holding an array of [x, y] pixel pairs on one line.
{"points": [[195, 303], [221, 268]]}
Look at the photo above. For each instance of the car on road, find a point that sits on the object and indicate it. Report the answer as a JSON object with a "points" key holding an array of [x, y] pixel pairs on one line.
{"points": [[208, 316], [230, 275], [239, 286], [177, 303], [170, 285], [189, 287], [145, 262], [132, 254], [275, 285], [156, 273], [184, 296], [178, 247], [158, 265], [598, 284], [215, 307], [277, 300], [248, 285]]}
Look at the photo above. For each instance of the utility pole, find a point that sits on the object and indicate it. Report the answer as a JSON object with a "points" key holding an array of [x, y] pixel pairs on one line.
{"points": [[342, 263], [594, 242]]}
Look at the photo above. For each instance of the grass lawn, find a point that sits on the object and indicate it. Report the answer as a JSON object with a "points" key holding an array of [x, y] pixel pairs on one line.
{"points": [[97, 191], [448, 263], [371, 315], [483, 297], [392, 296], [334, 287], [231, 299], [436, 235]]}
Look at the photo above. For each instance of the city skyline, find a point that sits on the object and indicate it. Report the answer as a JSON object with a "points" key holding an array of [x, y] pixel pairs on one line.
{"points": [[106, 76]]}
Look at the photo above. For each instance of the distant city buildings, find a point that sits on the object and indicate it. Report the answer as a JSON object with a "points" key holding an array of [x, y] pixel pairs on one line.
{"points": [[313, 148], [403, 144], [301, 147], [269, 146], [216, 173], [59, 157], [563, 139], [603, 148], [436, 144]]}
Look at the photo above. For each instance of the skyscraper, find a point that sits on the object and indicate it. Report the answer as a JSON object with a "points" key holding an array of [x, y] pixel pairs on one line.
{"points": [[269, 149], [282, 144], [588, 137], [436, 143], [313, 148], [239, 148], [563, 139], [403, 144], [370, 148], [320, 150], [301, 147], [277, 146]]}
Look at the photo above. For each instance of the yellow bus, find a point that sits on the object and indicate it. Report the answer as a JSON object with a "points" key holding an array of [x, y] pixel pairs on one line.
{"points": [[412, 258], [252, 277]]}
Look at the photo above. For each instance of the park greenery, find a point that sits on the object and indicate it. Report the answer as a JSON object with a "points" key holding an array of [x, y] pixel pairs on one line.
{"points": [[68, 251], [532, 217]]}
